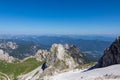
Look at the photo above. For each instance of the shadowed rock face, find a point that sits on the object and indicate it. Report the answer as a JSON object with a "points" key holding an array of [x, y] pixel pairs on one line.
{"points": [[77, 55], [111, 55]]}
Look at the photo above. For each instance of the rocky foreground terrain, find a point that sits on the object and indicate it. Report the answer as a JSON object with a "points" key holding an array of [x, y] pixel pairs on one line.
{"points": [[59, 59]]}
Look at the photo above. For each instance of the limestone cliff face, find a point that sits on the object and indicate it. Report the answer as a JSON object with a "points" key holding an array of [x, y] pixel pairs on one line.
{"points": [[41, 55], [111, 55], [63, 58], [65, 55], [59, 58], [69, 55]]}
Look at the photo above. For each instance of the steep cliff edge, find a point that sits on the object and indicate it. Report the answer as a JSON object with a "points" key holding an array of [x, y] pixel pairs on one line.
{"points": [[111, 55]]}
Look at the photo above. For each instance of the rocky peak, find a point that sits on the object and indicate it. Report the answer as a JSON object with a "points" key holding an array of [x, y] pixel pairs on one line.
{"points": [[65, 57], [61, 56], [59, 59], [111, 55], [67, 50]]}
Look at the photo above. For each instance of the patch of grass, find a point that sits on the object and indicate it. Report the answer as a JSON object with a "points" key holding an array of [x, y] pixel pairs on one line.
{"points": [[16, 69]]}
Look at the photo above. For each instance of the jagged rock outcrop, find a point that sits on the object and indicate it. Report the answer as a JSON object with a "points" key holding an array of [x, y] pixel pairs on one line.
{"points": [[63, 58], [65, 55], [5, 56], [41, 55], [111, 55], [59, 59]]}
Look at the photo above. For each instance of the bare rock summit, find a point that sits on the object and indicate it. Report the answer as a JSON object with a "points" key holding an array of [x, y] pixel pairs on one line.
{"points": [[111, 55]]}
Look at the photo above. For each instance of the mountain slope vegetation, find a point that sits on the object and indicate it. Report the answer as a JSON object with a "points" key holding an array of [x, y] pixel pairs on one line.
{"points": [[18, 68]]}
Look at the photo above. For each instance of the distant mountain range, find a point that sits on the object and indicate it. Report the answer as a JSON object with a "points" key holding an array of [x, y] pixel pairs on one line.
{"points": [[28, 45], [19, 48]]}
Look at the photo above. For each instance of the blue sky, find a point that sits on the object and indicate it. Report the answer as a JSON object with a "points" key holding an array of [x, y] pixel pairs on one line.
{"points": [[59, 16]]}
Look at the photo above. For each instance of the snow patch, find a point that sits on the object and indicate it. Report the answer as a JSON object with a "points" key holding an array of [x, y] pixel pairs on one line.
{"points": [[91, 74]]}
